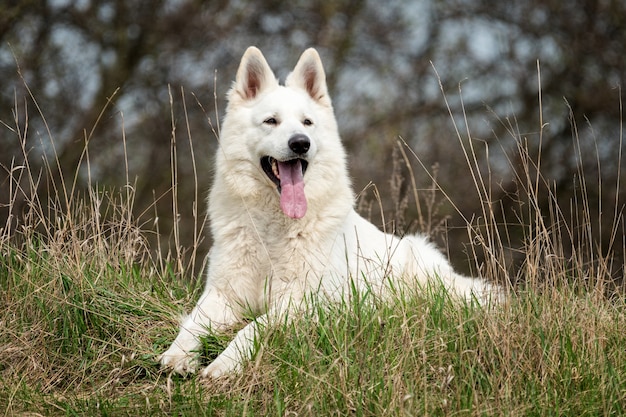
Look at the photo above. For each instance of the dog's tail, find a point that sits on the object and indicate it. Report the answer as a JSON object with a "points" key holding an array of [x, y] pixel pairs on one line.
{"points": [[428, 265]]}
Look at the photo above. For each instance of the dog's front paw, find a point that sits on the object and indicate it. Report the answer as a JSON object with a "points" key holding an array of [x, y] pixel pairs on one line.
{"points": [[179, 361], [221, 366]]}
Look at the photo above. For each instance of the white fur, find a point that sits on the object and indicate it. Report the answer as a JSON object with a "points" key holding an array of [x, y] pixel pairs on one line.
{"points": [[264, 262]]}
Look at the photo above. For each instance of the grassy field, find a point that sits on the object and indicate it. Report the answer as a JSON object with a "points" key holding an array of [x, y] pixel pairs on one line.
{"points": [[80, 336], [85, 309]]}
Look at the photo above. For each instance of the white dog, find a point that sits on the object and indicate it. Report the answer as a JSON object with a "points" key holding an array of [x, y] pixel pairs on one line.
{"points": [[283, 219]]}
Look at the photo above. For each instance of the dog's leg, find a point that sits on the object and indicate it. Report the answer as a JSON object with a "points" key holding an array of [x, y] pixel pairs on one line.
{"points": [[212, 313], [243, 345], [238, 350]]}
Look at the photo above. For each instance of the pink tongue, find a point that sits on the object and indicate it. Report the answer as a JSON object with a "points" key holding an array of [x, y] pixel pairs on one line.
{"points": [[292, 198]]}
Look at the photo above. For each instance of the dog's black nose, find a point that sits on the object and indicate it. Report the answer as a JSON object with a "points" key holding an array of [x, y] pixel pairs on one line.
{"points": [[299, 143]]}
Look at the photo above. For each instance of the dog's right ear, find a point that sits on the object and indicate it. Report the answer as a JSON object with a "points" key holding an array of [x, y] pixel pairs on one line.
{"points": [[254, 75], [309, 75]]}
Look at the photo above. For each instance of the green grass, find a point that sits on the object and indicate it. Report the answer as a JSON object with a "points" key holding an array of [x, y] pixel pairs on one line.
{"points": [[82, 341]]}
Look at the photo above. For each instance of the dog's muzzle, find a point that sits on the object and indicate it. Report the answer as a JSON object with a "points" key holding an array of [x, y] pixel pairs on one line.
{"points": [[288, 176], [270, 167]]}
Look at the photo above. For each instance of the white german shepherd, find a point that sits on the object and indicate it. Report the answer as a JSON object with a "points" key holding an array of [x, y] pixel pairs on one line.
{"points": [[283, 219]]}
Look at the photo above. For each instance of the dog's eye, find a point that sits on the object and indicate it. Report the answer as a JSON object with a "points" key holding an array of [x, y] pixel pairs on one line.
{"points": [[270, 121], [307, 122]]}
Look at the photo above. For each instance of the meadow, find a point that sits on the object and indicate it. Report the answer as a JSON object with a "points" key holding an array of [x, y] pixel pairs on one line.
{"points": [[86, 306]]}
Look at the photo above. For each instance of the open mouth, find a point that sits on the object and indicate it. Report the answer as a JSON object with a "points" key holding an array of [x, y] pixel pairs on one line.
{"points": [[289, 179], [271, 168]]}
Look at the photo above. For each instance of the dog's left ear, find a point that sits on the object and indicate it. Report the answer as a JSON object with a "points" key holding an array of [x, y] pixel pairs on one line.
{"points": [[309, 75]]}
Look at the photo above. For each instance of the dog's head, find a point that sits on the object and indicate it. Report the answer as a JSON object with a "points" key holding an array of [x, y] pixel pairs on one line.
{"points": [[284, 133]]}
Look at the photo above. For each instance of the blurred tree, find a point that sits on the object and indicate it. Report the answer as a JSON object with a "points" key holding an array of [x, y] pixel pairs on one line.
{"points": [[148, 71]]}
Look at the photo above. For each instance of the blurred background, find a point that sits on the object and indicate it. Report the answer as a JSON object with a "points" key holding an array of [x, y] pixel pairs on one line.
{"points": [[129, 77]]}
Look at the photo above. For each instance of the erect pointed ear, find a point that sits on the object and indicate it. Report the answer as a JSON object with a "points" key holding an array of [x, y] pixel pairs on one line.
{"points": [[309, 75], [254, 75]]}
